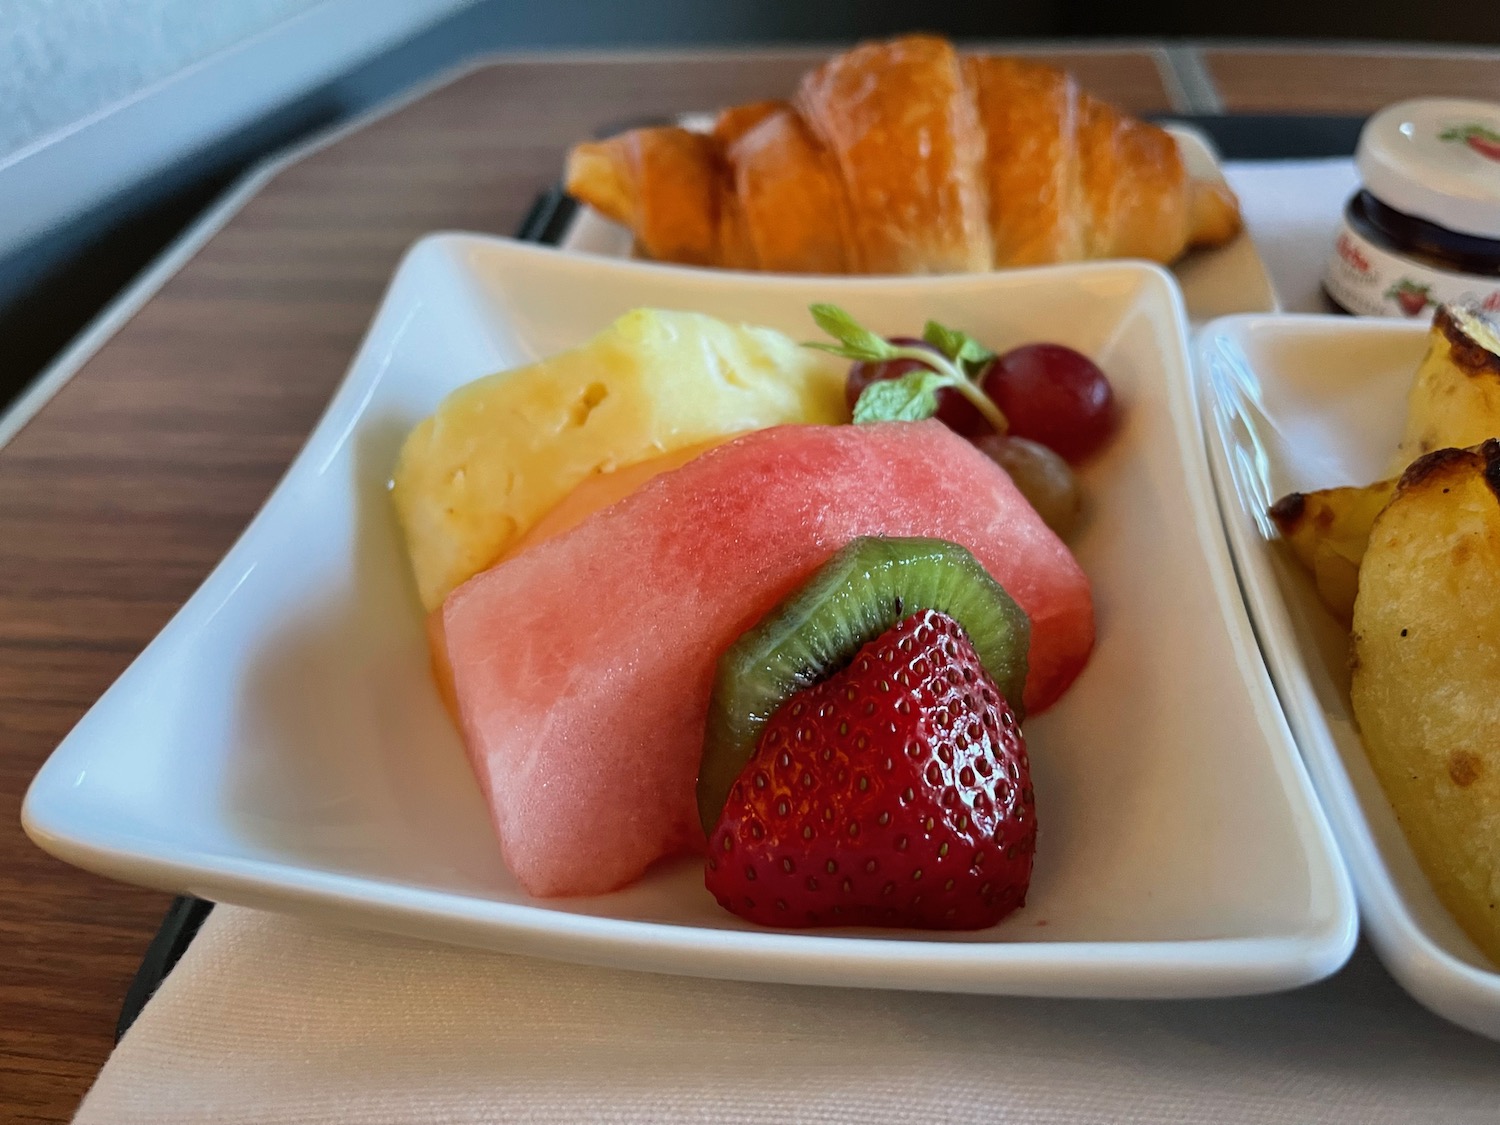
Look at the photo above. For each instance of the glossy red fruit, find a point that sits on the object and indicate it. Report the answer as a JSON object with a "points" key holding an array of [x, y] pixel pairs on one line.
{"points": [[895, 793], [955, 411], [1054, 395]]}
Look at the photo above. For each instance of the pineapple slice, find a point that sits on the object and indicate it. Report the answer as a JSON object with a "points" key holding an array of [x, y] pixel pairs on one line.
{"points": [[502, 451]]}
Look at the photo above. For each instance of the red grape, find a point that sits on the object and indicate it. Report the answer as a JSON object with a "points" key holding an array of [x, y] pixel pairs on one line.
{"points": [[1053, 395], [960, 415]]}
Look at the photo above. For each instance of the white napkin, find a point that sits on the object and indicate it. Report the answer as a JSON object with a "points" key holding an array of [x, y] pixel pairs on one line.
{"points": [[269, 1019], [1292, 208]]}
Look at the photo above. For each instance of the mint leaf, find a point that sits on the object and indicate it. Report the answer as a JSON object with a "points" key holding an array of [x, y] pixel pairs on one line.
{"points": [[949, 341], [958, 346], [910, 398], [855, 340]]}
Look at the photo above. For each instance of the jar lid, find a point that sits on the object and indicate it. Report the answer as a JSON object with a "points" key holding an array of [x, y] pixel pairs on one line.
{"points": [[1437, 159]]}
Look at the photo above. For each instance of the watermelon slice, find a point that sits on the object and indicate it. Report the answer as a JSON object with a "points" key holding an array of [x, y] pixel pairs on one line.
{"points": [[583, 667]]}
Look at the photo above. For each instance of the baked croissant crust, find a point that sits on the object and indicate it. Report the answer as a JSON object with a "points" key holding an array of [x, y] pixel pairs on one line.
{"points": [[906, 157]]}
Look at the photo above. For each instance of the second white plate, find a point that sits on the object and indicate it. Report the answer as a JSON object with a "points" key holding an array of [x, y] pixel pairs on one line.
{"points": [[1293, 404]]}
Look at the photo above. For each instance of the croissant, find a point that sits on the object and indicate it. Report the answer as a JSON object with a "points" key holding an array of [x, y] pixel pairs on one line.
{"points": [[905, 157]]}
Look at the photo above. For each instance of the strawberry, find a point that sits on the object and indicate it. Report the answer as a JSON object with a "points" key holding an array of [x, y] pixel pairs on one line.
{"points": [[897, 792]]}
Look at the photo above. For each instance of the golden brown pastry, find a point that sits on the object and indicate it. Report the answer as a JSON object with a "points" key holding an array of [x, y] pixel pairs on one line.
{"points": [[905, 157]]}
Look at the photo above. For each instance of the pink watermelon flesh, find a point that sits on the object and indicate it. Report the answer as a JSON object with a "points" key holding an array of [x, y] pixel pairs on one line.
{"points": [[583, 666]]}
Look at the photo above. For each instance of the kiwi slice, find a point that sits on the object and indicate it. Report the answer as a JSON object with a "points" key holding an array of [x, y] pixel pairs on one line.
{"points": [[857, 595]]}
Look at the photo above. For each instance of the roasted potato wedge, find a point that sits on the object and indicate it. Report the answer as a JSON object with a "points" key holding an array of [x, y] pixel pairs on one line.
{"points": [[1426, 674], [1327, 532], [1454, 401]]}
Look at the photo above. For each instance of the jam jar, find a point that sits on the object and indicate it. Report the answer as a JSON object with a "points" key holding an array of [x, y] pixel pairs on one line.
{"points": [[1424, 229]]}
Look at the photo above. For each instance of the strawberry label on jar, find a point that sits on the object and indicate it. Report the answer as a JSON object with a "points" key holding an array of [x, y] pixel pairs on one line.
{"points": [[1410, 296], [1369, 280], [1484, 141]]}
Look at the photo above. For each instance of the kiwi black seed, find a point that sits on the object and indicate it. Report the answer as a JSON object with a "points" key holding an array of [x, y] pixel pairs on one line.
{"points": [[865, 589]]}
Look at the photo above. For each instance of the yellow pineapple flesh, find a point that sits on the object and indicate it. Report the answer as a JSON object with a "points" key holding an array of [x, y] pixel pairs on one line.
{"points": [[502, 451]]}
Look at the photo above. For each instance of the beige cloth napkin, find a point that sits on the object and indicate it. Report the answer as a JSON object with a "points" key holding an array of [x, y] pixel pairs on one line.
{"points": [[270, 1020], [276, 1021]]}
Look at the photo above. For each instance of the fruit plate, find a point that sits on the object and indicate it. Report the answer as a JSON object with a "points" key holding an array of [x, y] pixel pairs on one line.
{"points": [[1215, 283], [1292, 404], [280, 743]]}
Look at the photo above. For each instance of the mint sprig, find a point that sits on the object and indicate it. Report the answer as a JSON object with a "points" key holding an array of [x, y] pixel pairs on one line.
{"points": [[912, 396]]}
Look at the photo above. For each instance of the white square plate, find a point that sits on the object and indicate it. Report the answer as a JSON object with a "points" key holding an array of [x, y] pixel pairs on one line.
{"points": [[1227, 279], [1293, 404], [280, 743]]}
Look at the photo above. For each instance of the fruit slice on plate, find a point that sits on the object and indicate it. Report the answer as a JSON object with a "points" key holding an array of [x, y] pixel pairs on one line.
{"points": [[502, 451], [596, 492], [860, 593], [895, 793], [583, 667]]}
